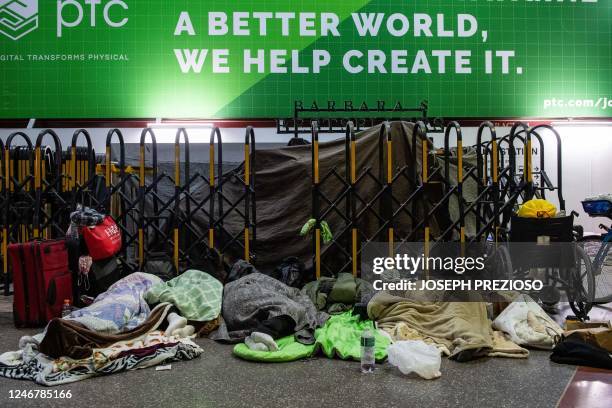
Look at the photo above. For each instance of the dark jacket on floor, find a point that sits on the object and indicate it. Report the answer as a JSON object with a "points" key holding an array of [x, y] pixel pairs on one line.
{"points": [[574, 350]]}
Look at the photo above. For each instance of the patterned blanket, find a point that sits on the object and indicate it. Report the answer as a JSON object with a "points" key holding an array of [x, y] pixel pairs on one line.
{"points": [[122, 307], [149, 351], [196, 295]]}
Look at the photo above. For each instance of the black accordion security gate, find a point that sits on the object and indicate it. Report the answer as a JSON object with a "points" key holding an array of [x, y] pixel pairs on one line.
{"points": [[501, 187], [42, 184]]}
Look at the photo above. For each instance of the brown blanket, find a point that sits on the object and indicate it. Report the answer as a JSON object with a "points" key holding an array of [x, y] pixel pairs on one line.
{"points": [[452, 326], [65, 338], [461, 330]]}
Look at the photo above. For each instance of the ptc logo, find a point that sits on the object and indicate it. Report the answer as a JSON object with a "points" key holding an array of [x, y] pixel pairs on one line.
{"points": [[18, 17]]}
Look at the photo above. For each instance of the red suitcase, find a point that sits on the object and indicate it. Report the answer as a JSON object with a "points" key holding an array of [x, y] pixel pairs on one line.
{"points": [[41, 281]]}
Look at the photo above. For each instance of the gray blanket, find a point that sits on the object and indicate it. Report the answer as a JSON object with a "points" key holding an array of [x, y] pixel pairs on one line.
{"points": [[257, 297]]}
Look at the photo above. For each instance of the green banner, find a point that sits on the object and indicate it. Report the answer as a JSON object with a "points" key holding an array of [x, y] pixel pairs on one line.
{"points": [[247, 59]]}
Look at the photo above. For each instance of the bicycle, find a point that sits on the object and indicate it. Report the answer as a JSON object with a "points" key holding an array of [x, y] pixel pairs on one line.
{"points": [[598, 247]]}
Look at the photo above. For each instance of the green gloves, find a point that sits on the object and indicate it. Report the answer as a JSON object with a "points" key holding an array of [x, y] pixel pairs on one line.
{"points": [[307, 227], [325, 230]]}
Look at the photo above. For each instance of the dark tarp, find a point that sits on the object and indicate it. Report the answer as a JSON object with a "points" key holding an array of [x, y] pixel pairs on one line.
{"points": [[283, 186], [283, 191]]}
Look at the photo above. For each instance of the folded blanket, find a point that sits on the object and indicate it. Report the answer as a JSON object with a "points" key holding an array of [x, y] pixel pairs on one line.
{"points": [[151, 350], [72, 339], [250, 301], [196, 295], [504, 347]]}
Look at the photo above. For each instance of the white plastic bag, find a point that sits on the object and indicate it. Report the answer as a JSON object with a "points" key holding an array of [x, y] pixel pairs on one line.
{"points": [[416, 356]]}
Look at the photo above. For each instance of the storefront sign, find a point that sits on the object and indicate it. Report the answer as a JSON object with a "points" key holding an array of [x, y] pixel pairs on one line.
{"points": [[240, 59]]}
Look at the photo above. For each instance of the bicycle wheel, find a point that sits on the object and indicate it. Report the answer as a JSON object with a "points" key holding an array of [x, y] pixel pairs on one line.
{"points": [[601, 272], [581, 290]]}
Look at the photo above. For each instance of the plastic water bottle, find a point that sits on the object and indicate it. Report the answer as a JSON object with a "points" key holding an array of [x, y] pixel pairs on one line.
{"points": [[66, 308], [367, 351]]}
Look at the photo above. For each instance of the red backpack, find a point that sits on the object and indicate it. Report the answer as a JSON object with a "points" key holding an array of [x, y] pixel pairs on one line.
{"points": [[102, 240]]}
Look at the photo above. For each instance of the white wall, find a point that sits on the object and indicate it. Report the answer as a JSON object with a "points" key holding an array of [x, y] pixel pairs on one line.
{"points": [[164, 135], [587, 155], [587, 164]]}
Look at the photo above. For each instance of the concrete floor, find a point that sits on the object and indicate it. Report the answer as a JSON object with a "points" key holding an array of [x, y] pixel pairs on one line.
{"points": [[217, 379]]}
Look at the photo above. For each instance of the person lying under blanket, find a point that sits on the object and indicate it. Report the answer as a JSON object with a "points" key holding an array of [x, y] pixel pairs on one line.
{"points": [[259, 303], [97, 339]]}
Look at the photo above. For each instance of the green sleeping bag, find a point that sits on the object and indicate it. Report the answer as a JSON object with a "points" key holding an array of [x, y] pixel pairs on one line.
{"points": [[340, 337], [288, 350]]}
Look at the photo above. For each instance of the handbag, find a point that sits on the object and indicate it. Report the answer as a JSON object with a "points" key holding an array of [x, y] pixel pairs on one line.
{"points": [[103, 240]]}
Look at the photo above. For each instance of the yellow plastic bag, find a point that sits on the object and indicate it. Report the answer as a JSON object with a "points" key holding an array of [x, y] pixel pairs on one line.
{"points": [[537, 208]]}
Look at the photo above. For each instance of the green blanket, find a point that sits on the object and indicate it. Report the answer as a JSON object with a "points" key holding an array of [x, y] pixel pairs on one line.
{"points": [[196, 295], [339, 337]]}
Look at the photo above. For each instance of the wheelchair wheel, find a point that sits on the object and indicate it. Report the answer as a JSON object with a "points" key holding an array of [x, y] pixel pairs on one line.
{"points": [[581, 290]]}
